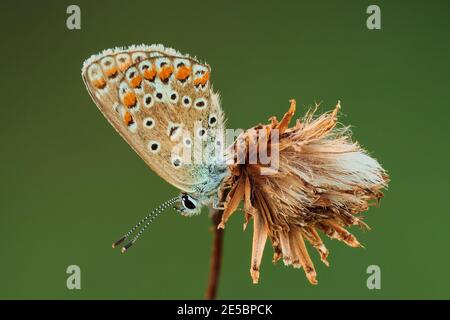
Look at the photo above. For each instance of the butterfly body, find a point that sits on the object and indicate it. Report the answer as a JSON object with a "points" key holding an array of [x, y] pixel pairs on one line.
{"points": [[161, 102]]}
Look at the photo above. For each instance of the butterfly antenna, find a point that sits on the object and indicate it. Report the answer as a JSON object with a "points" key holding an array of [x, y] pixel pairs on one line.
{"points": [[149, 219]]}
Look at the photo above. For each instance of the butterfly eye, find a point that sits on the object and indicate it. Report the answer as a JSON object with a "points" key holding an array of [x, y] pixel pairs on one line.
{"points": [[154, 146], [186, 101], [148, 100], [200, 103], [212, 120], [149, 123], [188, 202]]}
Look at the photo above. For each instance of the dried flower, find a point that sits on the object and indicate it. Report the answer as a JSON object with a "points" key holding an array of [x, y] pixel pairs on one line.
{"points": [[324, 180]]}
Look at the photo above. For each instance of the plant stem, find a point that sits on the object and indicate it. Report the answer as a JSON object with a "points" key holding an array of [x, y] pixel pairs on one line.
{"points": [[216, 255]]}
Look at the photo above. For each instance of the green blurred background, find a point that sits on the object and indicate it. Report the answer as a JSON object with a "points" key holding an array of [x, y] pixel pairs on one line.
{"points": [[70, 185]]}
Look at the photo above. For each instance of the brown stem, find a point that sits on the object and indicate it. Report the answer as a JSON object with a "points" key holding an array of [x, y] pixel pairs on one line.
{"points": [[216, 255]]}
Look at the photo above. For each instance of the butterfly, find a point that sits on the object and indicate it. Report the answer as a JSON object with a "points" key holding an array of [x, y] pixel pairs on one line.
{"points": [[162, 103]]}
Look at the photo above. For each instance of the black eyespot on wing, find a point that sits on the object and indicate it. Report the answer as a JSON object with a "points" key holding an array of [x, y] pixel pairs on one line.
{"points": [[200, 103], [173, 130], [159, 95], [186, 101], [176, 162]]}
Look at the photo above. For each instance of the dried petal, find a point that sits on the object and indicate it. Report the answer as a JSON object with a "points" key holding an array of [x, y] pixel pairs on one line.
{"points": [[259, 241], [283, 125], [298, 244], [235, 196]]}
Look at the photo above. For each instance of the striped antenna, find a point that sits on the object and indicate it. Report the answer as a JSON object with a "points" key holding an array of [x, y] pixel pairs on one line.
{"points": [[148, 219]]}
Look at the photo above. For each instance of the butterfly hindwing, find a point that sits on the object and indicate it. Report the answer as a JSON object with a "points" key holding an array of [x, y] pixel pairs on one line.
{"points": [[162, 104]]}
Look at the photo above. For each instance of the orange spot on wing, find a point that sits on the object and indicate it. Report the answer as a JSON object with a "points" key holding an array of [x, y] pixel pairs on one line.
{"points": [[202, 80], [112, 72], [130, 100], [165, 72], [100, 83], [150, 74], [128, 118], [136, 81], [183, 73]]}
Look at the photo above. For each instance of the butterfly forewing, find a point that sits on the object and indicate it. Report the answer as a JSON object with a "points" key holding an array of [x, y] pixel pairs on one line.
{"points": [[162, 104]]}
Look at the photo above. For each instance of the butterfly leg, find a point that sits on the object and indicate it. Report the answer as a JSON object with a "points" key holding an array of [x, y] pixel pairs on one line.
{"points": [[217, 205]]}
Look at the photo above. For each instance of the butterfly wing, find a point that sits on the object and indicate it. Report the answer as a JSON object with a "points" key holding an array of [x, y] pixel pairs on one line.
{"points": [[161, 102]]}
